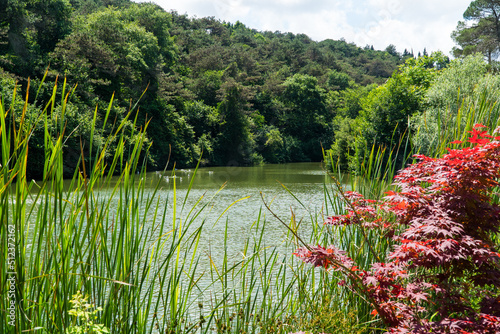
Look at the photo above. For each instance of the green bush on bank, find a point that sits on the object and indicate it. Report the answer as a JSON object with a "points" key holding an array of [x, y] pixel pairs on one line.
{"points": [[426, 103]]}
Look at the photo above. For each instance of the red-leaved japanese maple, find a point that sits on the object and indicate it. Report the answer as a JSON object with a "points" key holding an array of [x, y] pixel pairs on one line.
{"points": [[443, 274]]}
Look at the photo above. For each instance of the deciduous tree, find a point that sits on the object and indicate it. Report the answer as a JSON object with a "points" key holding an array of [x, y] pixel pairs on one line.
{"points": [[482, 34]]}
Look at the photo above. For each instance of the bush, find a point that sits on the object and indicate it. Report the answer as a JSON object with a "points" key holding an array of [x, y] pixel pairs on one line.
{"points": [[443, 274]]}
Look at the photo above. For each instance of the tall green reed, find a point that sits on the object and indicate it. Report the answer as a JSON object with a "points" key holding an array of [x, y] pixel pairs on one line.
{"points": [[454, 124], [365, 246], [269, 291], [92, 233]]}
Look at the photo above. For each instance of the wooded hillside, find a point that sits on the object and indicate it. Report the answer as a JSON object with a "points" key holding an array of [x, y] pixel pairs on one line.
{"points": [[217, 90]]}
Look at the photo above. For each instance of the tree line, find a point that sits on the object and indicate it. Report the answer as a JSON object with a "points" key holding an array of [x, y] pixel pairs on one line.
{"points": [[211, 91]]}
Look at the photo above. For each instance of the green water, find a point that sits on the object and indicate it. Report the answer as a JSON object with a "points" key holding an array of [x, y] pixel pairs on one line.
{"points": [[243, 188], [240, 188], [234, 196], [228, 202], [248, 178]]}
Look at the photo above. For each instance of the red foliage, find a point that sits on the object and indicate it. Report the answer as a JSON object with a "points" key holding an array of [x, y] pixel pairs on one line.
{"points": [[445, 261]]}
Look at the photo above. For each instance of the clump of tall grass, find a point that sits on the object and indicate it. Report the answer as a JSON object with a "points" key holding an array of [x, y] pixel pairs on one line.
{"points": [[364, 246], [67, 237], [436, 128]]}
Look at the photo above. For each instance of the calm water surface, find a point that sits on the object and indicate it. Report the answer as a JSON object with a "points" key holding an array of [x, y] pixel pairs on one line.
{"points": [[241, 191], [241, 188], [230, 198]]}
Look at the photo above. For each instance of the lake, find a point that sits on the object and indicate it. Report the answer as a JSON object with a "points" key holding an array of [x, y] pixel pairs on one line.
{"points": [[227, 203], [242, 188], [241, 193]]}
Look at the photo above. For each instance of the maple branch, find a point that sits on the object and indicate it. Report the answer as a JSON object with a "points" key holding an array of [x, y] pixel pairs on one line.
{"points": [[346, 200]]}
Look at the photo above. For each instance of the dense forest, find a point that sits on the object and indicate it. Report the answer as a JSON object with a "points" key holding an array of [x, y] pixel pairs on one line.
{"points": [[208, 89], [222, 93]]}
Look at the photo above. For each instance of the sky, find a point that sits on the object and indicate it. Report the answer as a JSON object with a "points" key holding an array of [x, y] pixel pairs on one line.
{"points": [[407, 24]]}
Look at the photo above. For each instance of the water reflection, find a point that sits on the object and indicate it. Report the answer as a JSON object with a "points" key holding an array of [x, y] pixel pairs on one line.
{"points": [[264, 176]]}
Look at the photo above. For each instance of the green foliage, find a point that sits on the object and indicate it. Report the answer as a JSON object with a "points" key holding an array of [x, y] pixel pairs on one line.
{"points": [[156, 21], [85, 317], [391, 49], [306, 114], [137, 51], [207, 85], [273, 145], [338, 80], [380, 116], [322, 316], [108, 51], [7, 89], [389, 107], [343, 148], [456, 82], [44, 121], [234, 141], [31, 29], [173, 138], [462, 95], [483, 35]]}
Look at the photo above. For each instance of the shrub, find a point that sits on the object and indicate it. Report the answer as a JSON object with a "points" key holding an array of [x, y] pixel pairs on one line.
{"points": [[443, 273], [85, 316]]}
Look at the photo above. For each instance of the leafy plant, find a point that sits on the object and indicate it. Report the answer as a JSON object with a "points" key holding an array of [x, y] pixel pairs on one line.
{"points": [[443, 274], [85, 316]]}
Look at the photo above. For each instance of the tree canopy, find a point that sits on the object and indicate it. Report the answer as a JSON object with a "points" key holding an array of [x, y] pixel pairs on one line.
{"points": [[480, 32], [209, 89]]}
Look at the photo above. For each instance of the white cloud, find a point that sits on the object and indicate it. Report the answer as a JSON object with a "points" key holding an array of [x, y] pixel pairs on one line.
{"points": [[323, 24]]}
